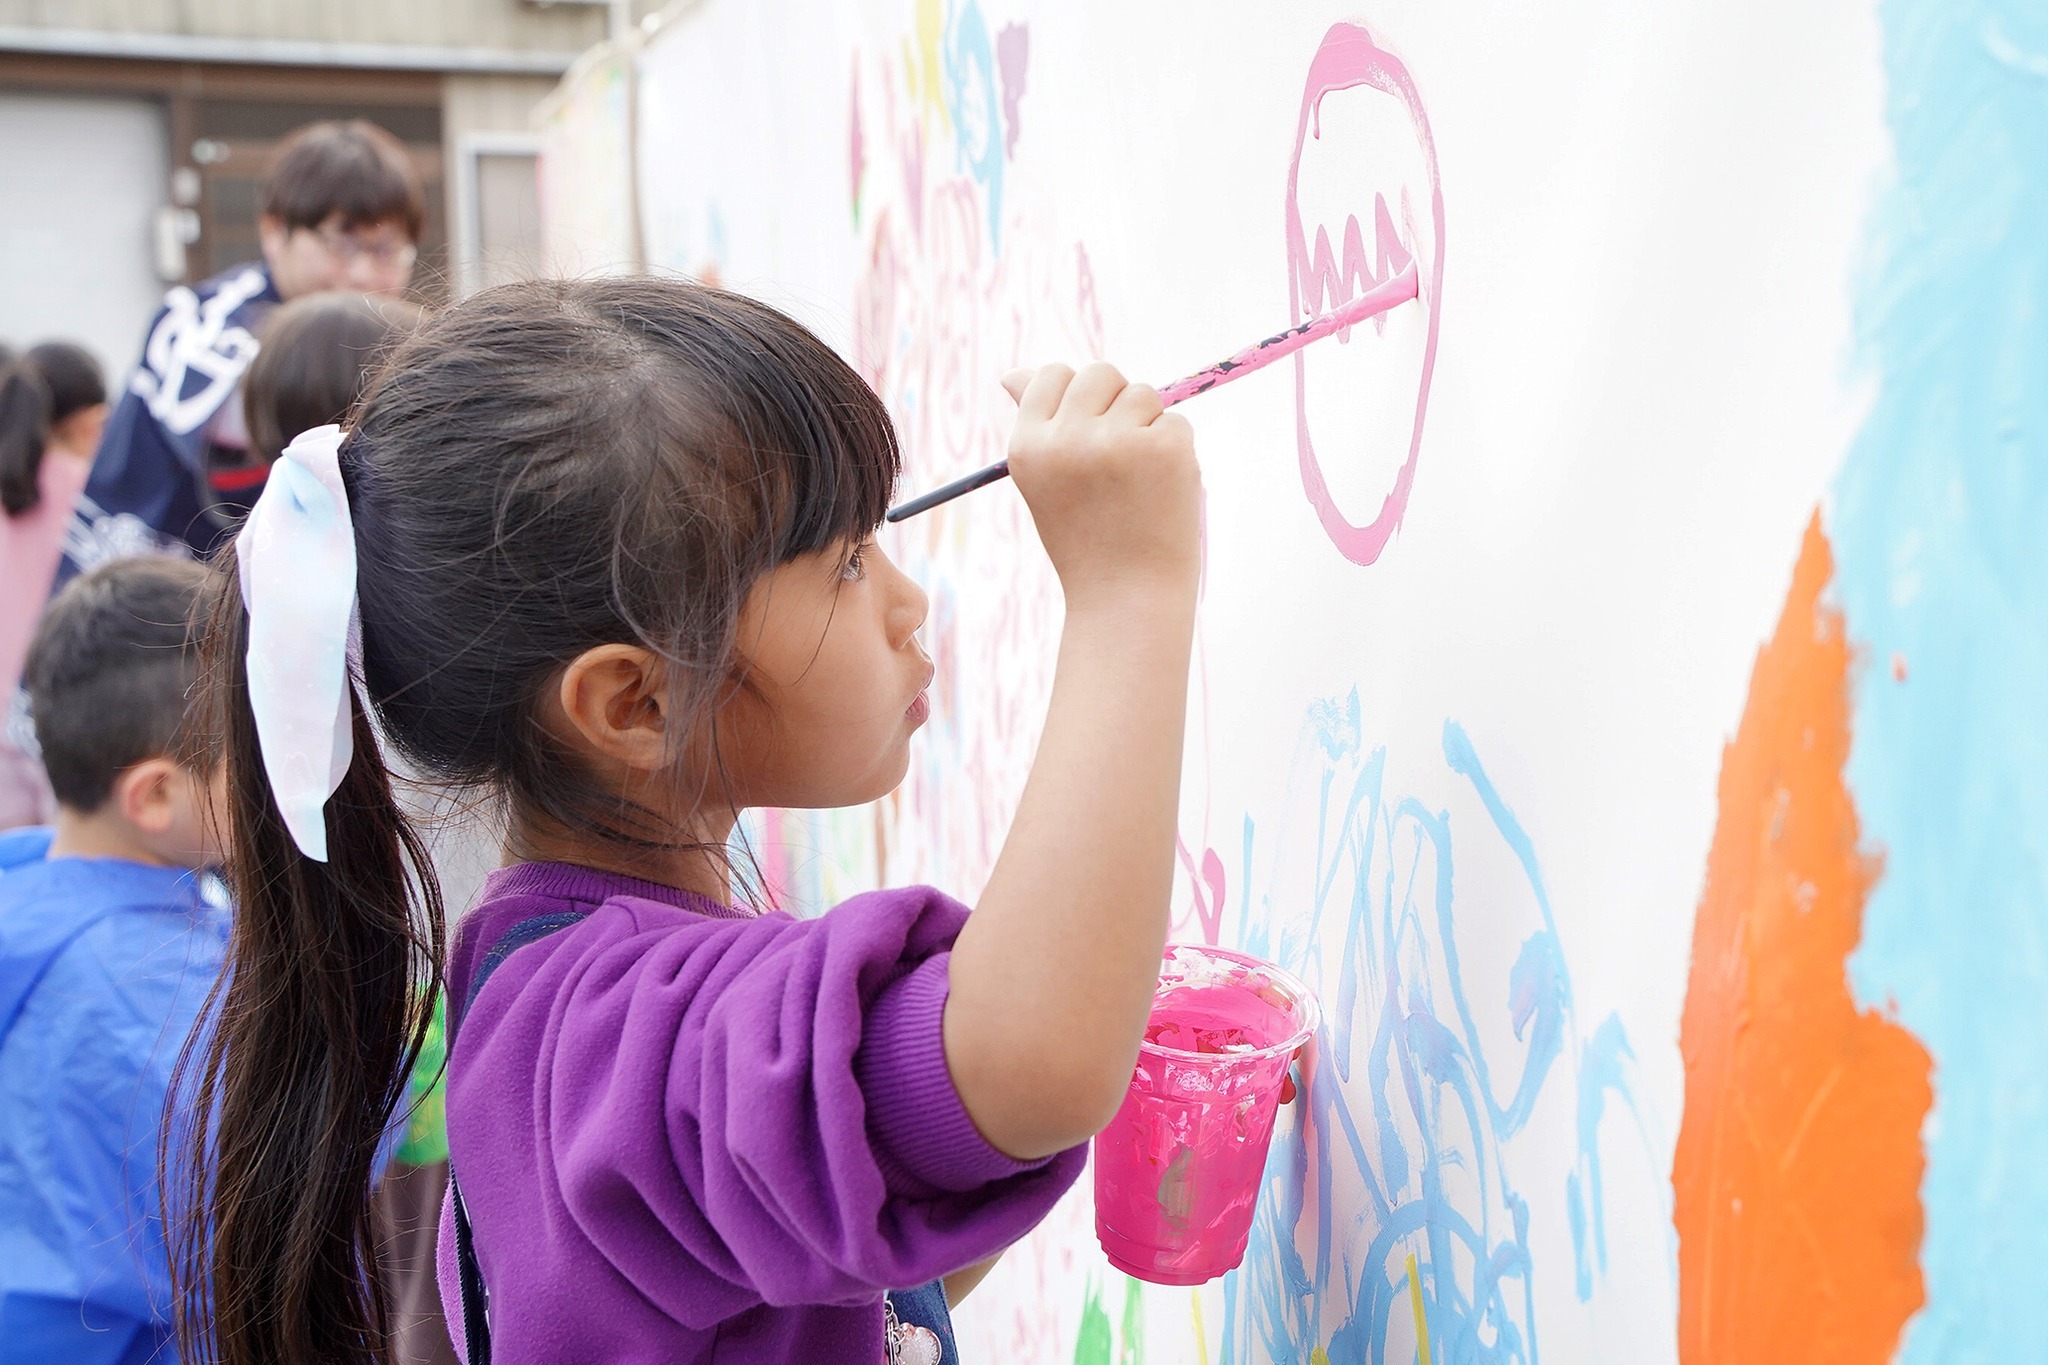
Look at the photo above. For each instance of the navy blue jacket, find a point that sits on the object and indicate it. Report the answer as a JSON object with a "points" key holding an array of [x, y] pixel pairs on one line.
{"points": [[149, 490]]}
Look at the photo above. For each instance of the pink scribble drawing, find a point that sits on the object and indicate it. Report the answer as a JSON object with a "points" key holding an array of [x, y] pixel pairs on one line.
{"points": [[1321, 276], [1013, 54], [1206, 879], [857, 149], [942, 306]]}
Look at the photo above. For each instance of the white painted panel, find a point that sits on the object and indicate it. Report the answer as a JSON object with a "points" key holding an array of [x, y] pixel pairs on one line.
{"points": [[80, 183]]}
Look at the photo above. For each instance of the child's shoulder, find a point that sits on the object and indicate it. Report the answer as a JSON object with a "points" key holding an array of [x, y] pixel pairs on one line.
{"points": [[872, 937], [576, 921], [559, 906], [103, 935], [64, 893]]}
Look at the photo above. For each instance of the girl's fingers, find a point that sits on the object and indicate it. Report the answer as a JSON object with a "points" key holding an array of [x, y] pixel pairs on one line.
{"points": [[1093, 390], [1016, 381], [1177, 424], [1041, 397], [1140, 403]]}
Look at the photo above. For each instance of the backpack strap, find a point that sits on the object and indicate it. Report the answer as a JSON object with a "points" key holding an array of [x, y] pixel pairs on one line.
{"points": [[476, 1300], [511, 941], [476, 1303]]}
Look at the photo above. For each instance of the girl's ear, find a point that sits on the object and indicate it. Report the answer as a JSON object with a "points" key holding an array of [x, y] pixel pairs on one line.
{"points": [[613, 703]]}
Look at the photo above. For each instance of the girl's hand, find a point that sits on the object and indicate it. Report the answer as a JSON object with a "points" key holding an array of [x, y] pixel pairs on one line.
{"points": [[1110, 478]]}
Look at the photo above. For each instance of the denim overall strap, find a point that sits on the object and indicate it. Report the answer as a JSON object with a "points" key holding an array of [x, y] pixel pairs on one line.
{"points": [[925, 1306]]}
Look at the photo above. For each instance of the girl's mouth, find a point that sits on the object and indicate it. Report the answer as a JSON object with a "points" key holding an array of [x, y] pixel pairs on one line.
{"points": [[920, 708]]}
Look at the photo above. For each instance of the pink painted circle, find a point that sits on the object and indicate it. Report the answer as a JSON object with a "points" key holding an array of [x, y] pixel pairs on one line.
{"points": [[1348, 58]]}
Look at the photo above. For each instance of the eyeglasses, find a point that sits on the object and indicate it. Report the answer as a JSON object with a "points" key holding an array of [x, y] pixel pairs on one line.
{"points": [[347, 247]]}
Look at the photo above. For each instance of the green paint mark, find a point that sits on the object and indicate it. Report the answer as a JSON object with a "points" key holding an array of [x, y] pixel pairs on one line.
{"points": [[1133, 1346], [1094, 1344]]}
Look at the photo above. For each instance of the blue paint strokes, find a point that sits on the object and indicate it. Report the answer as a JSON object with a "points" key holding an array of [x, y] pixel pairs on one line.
{"points": [[1603, 1070], [1538, 987], [974, 101], [1941, 539], [715, 236], [1400, 1144]]}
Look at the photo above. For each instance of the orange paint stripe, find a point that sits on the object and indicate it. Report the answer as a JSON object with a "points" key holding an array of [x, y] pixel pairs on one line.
{"points": [[1797, 1174]]}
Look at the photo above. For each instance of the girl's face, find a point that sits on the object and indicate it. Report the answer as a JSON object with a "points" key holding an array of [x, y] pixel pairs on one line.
{"points": [[79, 433], [837, 682]]}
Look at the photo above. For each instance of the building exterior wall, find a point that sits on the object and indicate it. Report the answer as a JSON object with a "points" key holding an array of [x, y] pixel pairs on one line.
{"points": [[490, 103], [512, 25], [494, 203], [457, 80], [84, 178]]}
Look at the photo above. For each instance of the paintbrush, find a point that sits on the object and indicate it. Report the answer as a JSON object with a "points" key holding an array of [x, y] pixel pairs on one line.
{"points": [[1396, 290]]}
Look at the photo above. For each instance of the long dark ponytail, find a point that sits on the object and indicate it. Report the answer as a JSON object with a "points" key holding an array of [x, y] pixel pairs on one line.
{"points": [[37, 392], [314, 1033], [24, 431], [541, 469]]}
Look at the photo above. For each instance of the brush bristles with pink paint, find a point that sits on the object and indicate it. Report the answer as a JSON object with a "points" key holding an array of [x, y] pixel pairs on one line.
{"points": [[1397, 290]]}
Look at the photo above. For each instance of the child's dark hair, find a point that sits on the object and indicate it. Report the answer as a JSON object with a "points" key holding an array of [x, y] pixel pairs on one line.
{"points": [[542, 469], [354, 169], [37, 392], [109, 673], [317, 354]]}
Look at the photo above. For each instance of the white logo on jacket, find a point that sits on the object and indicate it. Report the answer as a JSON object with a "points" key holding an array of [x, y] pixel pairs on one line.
{"points": [[195, 338]]}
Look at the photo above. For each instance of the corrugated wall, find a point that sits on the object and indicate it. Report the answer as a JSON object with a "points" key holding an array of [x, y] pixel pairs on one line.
{"points": [[515, 25]]}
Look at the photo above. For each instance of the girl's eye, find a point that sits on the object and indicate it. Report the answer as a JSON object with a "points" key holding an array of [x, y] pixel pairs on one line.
{"points": [[855, 567]]}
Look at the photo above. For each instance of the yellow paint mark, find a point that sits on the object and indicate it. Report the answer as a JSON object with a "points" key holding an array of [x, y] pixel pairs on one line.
{"points": [[1318, 1357], [931, 27], [1415, 1302], [1201, 1334]]}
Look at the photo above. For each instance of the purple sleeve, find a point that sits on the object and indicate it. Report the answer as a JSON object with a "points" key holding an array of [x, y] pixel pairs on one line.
{"points": [[731, 1113]]}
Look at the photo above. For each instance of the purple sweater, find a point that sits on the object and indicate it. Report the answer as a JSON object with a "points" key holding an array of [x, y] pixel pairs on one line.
{"points": [[686, 1133]]}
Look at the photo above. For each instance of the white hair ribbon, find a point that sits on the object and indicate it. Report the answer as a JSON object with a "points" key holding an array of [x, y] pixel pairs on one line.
{"points": [[297, 553]]}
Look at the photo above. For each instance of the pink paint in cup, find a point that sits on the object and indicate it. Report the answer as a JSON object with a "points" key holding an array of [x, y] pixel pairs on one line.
{"points": [[1177, 1170]]}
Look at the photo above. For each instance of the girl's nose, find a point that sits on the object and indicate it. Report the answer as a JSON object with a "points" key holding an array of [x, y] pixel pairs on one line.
{"points": [[907, 607]]}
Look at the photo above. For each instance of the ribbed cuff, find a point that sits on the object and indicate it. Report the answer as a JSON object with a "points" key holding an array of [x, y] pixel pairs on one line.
{"points": [[923, 1138]]}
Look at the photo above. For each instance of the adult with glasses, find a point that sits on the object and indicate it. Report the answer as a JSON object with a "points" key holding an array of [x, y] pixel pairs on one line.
{"points": [[342, 209]]}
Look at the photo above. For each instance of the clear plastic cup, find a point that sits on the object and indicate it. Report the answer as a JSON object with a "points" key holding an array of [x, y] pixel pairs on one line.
{"points": [[1177, 1171]]}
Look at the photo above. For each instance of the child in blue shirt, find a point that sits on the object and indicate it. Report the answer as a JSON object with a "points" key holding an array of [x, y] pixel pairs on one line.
{"points": [[108, 948]]}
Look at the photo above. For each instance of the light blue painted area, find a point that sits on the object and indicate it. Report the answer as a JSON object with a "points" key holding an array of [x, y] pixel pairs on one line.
{"points": [[1410, 1113], [976, 106], [717, 243], [1941, 535]]}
